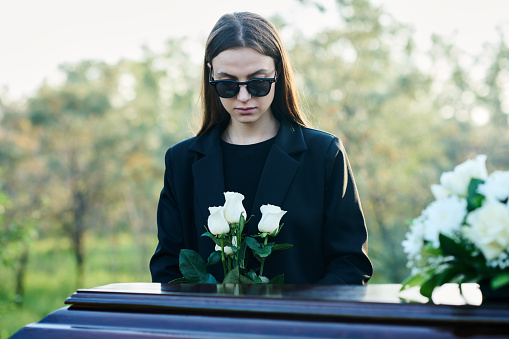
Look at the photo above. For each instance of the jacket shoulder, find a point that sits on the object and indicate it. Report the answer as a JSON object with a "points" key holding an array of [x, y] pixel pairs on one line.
{"points": [[316, 133], [317, 139], [180, 149]]}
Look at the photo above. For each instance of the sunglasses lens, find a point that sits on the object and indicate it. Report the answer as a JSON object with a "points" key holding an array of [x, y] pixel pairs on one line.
{"points": [[227, 89], [259, 88]]}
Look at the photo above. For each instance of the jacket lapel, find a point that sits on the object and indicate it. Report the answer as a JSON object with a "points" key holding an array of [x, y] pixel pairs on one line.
{"points": [[279, 171], [208, 176], [277, 176]]}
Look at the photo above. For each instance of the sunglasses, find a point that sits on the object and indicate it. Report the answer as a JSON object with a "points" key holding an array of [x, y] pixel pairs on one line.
{"points": [[259, 87]]}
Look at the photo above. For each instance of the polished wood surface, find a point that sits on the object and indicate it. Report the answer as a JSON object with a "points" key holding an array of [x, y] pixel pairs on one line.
{"points": [[138, 310]]}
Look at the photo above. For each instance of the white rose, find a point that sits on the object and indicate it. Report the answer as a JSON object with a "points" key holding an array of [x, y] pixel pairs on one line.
{"points": [[439, 192], [271, 217], [457, 181], [489, 228], [227, 249], [215, 209], [412, 245], [496, 186], [233, 207], [443, 216], [216, 222]]}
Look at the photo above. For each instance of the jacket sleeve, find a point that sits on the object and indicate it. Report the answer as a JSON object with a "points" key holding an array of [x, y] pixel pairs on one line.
{"points": [[345, 238], [164, 264]]}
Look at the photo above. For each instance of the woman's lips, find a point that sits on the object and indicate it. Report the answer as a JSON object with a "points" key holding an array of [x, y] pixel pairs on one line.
{"points": [[245, 110]]}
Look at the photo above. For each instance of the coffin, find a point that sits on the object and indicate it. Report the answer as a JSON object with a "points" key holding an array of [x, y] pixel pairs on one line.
{"points": [[148, 310]]}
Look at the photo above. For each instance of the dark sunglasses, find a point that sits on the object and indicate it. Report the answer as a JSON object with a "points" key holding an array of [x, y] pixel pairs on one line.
{"points": [[229, 88]]}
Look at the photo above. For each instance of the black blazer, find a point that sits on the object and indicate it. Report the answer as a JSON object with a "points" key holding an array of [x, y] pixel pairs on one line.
{"points": [[307, 174]]}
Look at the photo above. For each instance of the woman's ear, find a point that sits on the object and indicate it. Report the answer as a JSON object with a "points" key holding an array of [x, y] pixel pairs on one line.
{"points": [[210, 69]]}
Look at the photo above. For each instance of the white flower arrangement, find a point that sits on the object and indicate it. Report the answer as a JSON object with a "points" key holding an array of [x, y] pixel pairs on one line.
{"points": [[225, 226], [462, 236]]}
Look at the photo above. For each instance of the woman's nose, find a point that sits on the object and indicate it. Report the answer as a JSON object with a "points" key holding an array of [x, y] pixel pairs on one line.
{"points": [[243, 94]]}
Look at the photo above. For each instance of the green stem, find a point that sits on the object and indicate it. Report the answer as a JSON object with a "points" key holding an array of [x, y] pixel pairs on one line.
{"points": [[222, 256], [237, 257], [238, 235], [263, 259]]}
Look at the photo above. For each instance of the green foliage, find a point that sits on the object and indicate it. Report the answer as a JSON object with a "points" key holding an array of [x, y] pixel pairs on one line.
{"points": [[214, 258], [474, 199], [461, 263], [86, 156], [193, 268], [110, 260], [500, 281], [362, 81], [233, 277], [259, 249]]}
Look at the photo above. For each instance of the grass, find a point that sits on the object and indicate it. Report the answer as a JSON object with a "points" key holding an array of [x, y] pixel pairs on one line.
{"points": [[51, 275]]}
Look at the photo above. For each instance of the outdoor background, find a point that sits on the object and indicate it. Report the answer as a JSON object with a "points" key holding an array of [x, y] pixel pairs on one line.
{"points": [[82, 145]]}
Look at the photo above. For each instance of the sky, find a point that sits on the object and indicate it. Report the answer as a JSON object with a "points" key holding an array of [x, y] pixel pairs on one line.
{"points": [[36, 36]]}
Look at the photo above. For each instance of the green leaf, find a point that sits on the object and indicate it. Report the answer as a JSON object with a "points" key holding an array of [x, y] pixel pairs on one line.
{"points": [[233, 277], [214, 258], [252, 243], [208, 279], [280, 279], [500, 281], [265, 251], [259, 250], [242, 254], [192, 266], [245, 280], [453, 273], [414, 280], [179, 280], [254, 277], [428, 286], [242, 223], [279, 247], [429, 250], [451, 247], [474, 199]]}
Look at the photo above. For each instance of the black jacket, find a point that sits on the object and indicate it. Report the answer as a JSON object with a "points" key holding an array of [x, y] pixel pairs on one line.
{"points": [[307, 174]]}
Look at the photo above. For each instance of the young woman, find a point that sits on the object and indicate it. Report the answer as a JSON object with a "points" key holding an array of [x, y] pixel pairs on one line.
{"points": [[254, 140]]}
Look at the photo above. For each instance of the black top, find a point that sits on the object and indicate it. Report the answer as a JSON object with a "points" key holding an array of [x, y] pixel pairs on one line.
{"points": [[243, 166]]}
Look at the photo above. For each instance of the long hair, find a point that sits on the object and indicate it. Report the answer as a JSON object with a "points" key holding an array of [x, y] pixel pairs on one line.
{"points": [[246, 29]]}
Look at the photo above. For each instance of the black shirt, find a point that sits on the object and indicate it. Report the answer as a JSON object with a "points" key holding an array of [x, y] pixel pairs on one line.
{"points": [[243, 166]]}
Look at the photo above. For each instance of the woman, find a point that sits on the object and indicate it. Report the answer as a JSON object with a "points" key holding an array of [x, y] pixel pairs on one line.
{"points": [[254, 140]]}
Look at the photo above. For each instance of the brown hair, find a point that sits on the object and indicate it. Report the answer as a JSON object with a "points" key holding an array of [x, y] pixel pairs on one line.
{"points": [[246, 29]]}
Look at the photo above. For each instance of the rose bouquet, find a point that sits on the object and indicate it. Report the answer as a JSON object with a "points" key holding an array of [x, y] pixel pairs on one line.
{"points": [[462, 236], [225, 226]]}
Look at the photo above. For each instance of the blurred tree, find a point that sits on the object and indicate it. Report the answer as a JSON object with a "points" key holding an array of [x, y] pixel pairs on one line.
{"points": [[76, 148], [92, 147], [402, 123], [21, 204], [158, 97], [492, 103], [86, 156], [495, 93], [102, 134], [361, 83], [473, 93]]}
